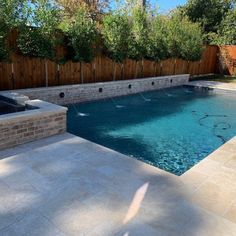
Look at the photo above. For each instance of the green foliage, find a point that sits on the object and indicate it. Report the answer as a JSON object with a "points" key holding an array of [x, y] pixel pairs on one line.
{"points": [[82, 35], [133, 31], [184, 39], [116, 35], [208, 13], [13, 11], [39, 39], [227, 30], [4, 52], [157, 40], [139, 31], [32, 42]]}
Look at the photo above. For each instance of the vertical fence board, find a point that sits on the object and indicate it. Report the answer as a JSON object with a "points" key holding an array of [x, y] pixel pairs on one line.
{"points": [[5, 76]]}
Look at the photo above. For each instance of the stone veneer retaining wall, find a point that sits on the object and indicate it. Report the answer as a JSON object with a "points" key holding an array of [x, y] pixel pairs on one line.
{"points": [[89, 92], [22, 127]]}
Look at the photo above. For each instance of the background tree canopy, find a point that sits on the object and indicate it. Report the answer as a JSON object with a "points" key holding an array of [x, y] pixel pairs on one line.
{"points": [[130, 28], [210, 15]]}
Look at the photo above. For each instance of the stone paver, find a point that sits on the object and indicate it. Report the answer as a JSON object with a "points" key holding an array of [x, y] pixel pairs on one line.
{"points": [[214, 84], [65, 185]]}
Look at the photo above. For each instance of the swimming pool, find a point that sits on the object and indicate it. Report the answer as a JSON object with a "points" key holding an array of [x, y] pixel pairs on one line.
{"points": [[172, 129]]}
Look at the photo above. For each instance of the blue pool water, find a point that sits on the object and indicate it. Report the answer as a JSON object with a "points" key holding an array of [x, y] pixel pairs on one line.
{"points": [[172, 129]]}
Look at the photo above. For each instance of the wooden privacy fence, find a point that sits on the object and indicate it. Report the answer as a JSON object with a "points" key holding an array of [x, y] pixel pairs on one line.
{"points": [[27, 72]]}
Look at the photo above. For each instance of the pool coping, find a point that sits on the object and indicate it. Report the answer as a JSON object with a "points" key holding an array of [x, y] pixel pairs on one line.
{"points": [[214, 85]]}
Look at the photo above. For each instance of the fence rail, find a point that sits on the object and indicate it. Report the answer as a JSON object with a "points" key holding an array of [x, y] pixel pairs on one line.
{"points": [[27, 72]]}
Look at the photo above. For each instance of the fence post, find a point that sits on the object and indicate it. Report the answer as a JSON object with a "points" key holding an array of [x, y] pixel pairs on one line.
{"points": [[188, 67], [174, 66], [12, 76], [161, 69], [122, 71], [94, 72], [114, 71], [58, 74], [199, 64], [81, 72], [142, 66], [155, 68], [46, 72], [135, 75]]}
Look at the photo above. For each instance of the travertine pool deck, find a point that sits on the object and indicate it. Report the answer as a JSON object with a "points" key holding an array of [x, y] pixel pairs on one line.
{"points": [[65, 185]]}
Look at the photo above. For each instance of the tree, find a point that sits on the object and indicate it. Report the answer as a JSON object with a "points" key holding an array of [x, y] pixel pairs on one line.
{"points": [[11, 13], [184, 39], [157, 40], [82, 35], [137, 49], [3, 41], [208, 13], [142, 3], [37, 33], [95, 7], [227, 29], [116, 35]]}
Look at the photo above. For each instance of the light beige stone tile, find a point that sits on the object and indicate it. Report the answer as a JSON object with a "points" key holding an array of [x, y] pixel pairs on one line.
{"points": [[231, 163], [225, 177], [76, 220], [214, 197], [138, 228], [193, 179], [207, 167], [32, 224], [231, 213], [230, 146], [204, 223], [221, 155]]}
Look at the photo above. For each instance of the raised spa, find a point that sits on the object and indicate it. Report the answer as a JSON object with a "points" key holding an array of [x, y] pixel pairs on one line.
{"points": [[10, 103]]}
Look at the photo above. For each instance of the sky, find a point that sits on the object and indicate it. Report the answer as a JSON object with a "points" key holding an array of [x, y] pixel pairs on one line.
{"points": [[166, 5]]}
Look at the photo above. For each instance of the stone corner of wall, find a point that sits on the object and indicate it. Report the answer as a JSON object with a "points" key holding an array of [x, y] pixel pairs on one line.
{"points": [[27, 126]]}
